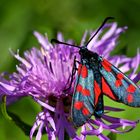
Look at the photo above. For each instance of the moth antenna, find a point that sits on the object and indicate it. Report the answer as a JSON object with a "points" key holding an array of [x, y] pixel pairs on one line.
{"points": [[103, 23], [59, 42]]}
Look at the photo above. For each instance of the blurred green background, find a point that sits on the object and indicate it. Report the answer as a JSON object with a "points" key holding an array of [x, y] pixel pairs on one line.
{"points": [[18, 20]]}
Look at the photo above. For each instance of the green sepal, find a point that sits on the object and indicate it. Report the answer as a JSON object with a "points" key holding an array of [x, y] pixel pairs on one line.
{"points": [[112, 136], [66, 136], [21, 124], [3, 109]]}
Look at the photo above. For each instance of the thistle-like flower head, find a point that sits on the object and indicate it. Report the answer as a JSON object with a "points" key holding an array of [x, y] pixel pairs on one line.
{"points": [[45, 74]]}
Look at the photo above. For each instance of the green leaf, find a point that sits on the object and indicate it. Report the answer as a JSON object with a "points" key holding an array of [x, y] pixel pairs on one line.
{"points": [[21, 124], [112, 136]]}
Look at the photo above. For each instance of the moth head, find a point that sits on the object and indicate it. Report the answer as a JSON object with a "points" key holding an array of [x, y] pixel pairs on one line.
{"points": [[83, 51], [88, 55]]}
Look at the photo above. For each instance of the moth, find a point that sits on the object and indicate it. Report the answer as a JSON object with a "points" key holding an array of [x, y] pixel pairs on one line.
{"points": [[97, 77]]}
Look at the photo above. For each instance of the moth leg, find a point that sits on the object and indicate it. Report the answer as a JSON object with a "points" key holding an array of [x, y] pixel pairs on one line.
{"points": [[72, 75]]}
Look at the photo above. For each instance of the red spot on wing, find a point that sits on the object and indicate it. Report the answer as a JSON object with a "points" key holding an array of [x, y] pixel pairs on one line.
{"points": [[85, 111], [79, 88], [120, 76], [131, 89], [106, 65], [84, 71], [130, 98], [78, 105], [85, 92], [106, 90], [79, 69], [97, 92], [118, 83]]}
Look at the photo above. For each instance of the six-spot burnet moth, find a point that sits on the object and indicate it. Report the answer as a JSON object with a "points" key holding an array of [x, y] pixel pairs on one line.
{"points": [[98, 77]]}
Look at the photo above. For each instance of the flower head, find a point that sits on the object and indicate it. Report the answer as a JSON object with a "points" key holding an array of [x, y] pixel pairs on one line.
{"points": [[45, 74]]}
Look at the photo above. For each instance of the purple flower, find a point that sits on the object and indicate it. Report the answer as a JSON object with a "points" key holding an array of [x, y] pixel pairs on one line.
{"points": [[45, 73]]}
